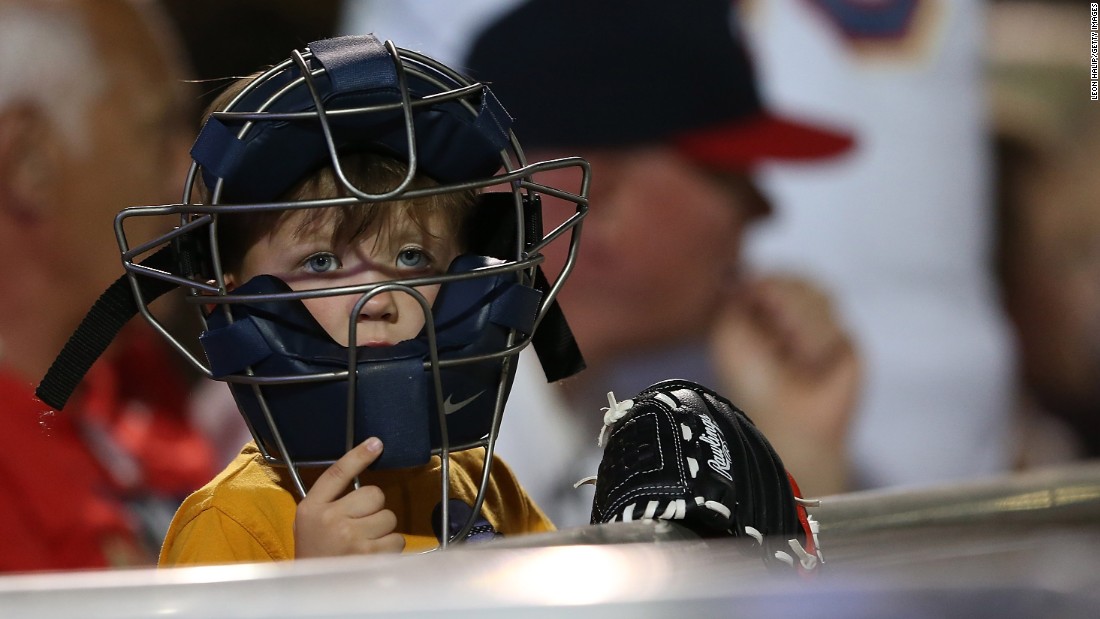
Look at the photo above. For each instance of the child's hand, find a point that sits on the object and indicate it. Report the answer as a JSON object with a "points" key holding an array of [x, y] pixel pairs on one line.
{"points": [[330, 522]]}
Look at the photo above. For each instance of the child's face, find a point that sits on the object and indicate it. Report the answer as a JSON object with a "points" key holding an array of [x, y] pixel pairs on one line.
{"points": [[394, 248]]}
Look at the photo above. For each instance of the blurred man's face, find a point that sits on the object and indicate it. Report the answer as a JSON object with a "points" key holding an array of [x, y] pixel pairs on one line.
{"points": [[659, 248], [137, 155]]}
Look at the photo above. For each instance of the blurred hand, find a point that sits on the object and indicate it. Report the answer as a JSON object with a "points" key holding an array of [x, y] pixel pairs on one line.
{"points": [[330, 523], [783, 357]]}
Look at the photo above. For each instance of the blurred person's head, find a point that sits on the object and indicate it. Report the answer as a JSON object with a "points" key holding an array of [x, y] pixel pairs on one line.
{"points": [[1048, 208], [663, 102], [1049, 260], [92, 119]]}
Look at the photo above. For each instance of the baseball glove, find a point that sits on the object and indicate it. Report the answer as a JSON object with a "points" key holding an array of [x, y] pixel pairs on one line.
{"points": [[680, 452]]}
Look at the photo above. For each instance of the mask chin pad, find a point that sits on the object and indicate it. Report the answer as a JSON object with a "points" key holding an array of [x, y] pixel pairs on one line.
{"points": [[395, 393]]}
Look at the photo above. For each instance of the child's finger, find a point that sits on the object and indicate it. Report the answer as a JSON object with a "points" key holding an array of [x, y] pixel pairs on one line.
{"points": [[392, 542], [336, 478], [378, 525], [362, 502]]}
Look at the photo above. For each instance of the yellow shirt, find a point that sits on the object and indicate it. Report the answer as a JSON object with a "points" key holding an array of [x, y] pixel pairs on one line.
{"points": [[246, 513]]}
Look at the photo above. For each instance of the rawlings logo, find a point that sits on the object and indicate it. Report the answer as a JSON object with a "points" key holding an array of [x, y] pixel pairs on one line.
{"points": [[720, 462]]}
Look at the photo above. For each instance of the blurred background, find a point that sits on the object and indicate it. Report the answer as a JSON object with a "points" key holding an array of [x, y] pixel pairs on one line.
{"points": [[957, 241]]}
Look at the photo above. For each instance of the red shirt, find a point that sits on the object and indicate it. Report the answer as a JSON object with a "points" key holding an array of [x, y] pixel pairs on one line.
{"points": [[94, 485]]}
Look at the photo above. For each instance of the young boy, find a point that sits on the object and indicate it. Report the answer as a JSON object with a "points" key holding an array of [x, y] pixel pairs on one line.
{"points": [[366, 302], [249, 512]]}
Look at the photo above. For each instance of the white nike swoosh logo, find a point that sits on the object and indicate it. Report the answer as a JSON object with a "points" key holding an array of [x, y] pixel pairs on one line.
{"points": [[449, 408]]}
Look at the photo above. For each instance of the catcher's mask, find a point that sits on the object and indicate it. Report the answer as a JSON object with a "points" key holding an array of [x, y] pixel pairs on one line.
{"points": [[306, 398]]}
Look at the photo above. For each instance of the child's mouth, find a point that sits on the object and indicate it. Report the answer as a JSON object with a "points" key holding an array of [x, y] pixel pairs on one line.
{"points": [[375, 344]]}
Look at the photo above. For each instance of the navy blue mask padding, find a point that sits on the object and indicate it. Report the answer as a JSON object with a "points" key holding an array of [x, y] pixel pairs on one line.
{"points": [[395, 394], [452, 144]]}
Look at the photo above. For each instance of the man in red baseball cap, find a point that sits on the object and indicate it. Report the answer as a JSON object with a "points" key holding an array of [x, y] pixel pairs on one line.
{"points": [[662, 99]]}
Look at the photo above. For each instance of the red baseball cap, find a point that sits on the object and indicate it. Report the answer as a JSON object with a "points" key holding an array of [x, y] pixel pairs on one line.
{"points": [[764, 136]]}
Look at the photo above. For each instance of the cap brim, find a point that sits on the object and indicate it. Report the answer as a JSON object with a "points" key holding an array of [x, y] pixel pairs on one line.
{"points": [[763, 137]]}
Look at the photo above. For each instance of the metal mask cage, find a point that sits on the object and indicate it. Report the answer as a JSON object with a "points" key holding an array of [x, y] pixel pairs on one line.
{"points": [[199, 268]]}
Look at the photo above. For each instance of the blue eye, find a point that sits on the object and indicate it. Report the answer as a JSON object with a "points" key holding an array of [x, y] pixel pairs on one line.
{"points": [[412, 258], [322, 262]]}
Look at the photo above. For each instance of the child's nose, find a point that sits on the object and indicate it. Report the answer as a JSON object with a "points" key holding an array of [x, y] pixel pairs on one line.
{"points": [[380, 307]]}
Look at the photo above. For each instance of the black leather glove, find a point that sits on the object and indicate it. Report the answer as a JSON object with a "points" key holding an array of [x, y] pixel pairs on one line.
{"points": [[679, 451]]}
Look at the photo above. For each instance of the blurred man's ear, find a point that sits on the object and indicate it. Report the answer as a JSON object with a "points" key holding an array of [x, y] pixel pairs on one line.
{"points": [[28, 163], [746, 193]]}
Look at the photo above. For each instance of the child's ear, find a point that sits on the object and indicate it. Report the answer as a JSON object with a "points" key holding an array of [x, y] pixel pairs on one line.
{"points": [[230, 284]]}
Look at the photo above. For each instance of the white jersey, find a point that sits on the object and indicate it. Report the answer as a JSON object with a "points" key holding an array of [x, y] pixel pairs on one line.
{"points": [[900, 229]]}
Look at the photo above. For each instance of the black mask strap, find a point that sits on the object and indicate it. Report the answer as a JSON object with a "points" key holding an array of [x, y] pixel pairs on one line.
{"points": [[553, 340], [491, 232], [114, 308]]}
